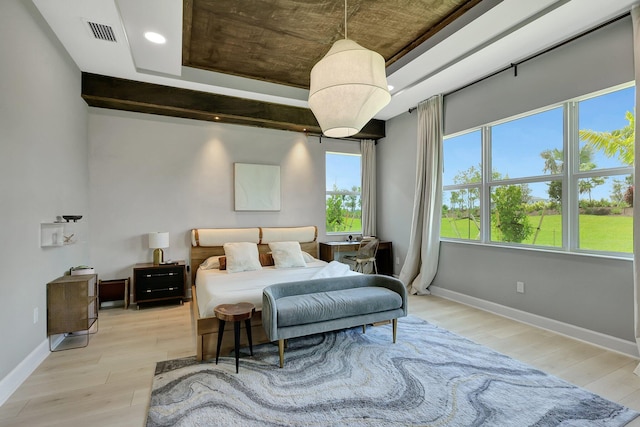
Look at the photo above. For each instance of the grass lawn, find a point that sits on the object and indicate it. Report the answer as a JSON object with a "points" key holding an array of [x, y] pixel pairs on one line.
{"points": [[349, 225], [599, 232]]}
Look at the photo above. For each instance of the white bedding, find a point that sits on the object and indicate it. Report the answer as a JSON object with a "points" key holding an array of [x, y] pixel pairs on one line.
{"points": [[215, 286]]}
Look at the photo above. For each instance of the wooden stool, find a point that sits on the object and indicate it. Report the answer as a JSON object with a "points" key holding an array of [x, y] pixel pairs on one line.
{"points": [[234, 313]]}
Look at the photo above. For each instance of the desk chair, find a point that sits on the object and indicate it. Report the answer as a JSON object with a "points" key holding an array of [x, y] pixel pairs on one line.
{"points": [[366, 255]]}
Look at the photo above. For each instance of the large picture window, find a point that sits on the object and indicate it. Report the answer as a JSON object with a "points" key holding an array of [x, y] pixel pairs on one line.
{"points": [[343, 204], [462, 179], [561, 178]]}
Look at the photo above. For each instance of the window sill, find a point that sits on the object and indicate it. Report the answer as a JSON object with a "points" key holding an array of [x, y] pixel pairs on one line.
{"points": [[605, 255]]}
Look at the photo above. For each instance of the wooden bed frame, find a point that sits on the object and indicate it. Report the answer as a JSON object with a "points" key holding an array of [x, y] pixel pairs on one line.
{"points": [[207, 327]]}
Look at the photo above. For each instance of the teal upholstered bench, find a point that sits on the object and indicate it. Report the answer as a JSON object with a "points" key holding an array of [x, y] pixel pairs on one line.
{"points": [[296, 309]]}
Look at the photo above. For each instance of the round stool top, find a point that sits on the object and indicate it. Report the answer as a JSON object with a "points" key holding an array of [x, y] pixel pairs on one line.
{"points": [[234, 312]]}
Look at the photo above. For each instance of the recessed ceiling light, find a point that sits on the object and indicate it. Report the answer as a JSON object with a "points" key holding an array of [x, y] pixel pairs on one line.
{"points": [[155, 37], [390, 87]]}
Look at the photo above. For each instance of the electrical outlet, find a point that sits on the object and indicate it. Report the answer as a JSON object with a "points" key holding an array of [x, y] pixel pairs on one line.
{"points": [[520, 287], [35, 315], [398, 260]]}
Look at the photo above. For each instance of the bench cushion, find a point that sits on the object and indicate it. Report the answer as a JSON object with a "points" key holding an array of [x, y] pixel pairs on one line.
{"points": [[321, 306]]}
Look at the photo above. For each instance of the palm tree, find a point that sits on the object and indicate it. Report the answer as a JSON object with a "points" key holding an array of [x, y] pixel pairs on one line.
{"points": [[554, 160], [617, 143], [554, 164]]}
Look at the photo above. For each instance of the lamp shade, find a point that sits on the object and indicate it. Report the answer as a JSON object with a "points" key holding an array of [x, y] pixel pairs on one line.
{"points": [[348, 87], [159, 239]]}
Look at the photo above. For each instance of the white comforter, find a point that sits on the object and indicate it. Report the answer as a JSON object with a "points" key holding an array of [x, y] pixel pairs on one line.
{"points": [[215, 287]]}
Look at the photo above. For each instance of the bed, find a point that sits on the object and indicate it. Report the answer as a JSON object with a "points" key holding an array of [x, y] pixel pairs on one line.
{"points": [[213, 286]]}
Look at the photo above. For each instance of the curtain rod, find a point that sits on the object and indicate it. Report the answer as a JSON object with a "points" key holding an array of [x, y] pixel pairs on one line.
{"points": [[514, 65], [346, 138]]}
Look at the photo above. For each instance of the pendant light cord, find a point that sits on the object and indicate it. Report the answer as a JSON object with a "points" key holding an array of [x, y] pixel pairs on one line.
{"points": [[345, 19]]}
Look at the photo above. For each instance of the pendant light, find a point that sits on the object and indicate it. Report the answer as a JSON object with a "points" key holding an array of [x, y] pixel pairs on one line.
{"points": [[348, 87]]}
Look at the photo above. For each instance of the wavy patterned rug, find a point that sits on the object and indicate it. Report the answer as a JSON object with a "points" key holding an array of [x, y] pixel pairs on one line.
{"points": [[430, 377]]}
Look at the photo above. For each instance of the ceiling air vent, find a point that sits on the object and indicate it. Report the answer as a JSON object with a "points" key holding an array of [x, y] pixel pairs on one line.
{"points": [[102, 32]]}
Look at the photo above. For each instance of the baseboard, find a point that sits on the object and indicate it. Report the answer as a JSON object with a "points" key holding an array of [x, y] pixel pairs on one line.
{"points": [[628, 348], [10, 383]]}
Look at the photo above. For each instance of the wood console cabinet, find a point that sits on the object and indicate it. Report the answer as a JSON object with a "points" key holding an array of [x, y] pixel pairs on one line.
{"points": [[159, 282], [330, 251], [72, 309]]}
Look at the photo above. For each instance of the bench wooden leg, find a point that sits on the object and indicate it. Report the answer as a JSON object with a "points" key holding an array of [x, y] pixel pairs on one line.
{"points": [[395, 329], [281, 352], [364, 329]]}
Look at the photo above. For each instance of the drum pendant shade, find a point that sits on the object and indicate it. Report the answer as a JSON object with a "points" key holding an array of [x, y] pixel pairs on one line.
{"points": [[348, 87]]}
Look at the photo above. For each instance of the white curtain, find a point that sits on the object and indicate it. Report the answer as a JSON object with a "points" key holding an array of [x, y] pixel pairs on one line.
{"points": [[635, 16], [368, 190], [421, 263]]}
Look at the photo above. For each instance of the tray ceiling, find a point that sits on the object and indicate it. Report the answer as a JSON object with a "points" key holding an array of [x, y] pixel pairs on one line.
{"points": [[253, 57], [280, 40]]}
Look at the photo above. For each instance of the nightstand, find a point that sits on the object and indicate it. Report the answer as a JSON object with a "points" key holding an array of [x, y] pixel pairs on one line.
{"points": [[159, 282], [114, 290], [72, 310]]}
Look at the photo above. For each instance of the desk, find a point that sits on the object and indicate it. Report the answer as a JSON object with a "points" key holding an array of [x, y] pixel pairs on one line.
{"points": [[384, 257]]}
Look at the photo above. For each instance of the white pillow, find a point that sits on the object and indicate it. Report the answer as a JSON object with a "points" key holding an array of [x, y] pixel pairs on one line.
{"points": [[242, 256], [307, 257], [287, 254], [210, 263]]}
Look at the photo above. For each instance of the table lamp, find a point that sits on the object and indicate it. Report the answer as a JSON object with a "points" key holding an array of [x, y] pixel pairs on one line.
{"points": [[157, 241]]}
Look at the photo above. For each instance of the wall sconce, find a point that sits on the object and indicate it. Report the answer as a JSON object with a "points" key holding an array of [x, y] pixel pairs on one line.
{"points": [[157, 241]]}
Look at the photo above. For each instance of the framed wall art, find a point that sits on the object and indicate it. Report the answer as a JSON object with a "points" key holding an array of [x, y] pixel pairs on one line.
{"points": [[256, 187]]}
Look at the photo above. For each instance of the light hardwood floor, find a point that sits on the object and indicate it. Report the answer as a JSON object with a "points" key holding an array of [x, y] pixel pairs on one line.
{"points": [[108, 383]]}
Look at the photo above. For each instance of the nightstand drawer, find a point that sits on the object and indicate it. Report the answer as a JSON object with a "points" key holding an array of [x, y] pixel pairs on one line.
{"points": [[159, 291]]}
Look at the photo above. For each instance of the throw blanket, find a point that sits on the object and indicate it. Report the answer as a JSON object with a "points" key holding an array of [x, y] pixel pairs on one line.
{"points": [[334, 269]]}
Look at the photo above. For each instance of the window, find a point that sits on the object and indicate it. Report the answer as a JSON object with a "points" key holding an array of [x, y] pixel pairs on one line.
{"points": [[523, 151], [343, 205], [560, 178], [462, 180], [605, 175]]}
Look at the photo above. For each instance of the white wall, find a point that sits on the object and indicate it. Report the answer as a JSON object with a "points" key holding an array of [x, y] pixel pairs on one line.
{"points": [[396, 166], [43, 173], [586, 291], [152, 173], [597, 61]]}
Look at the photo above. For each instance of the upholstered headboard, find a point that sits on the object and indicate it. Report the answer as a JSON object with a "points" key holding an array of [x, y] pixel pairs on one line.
{"points": [[206, 242]]}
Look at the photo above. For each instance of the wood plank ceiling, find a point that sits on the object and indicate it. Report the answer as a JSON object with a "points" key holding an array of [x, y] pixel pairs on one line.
{"points": [[277, 41], [280, 40]]}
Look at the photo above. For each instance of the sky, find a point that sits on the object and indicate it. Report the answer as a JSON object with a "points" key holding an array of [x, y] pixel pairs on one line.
{"points": [[343, 170], [516, 145]]}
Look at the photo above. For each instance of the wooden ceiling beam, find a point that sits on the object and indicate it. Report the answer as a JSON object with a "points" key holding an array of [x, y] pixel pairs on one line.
{"points": [[129, 95]]}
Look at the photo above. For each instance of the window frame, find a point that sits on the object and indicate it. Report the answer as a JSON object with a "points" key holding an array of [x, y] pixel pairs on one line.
{"points": [[569, 177], [346, 193]]}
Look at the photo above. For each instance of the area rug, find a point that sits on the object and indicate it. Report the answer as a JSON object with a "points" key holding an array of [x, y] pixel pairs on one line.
{"points": [[430, 377]]}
